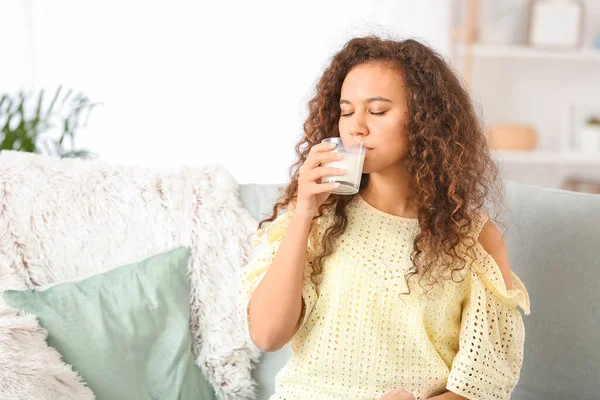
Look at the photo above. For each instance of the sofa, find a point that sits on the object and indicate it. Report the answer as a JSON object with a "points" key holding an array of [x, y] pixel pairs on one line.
{"points": [[553, 239]]}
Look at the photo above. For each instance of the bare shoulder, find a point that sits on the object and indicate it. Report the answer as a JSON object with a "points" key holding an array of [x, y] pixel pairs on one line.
{"points": [[492, 241]]}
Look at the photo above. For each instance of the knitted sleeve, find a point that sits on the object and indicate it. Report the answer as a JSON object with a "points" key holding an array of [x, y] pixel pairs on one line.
{"points": [[492, 336]]}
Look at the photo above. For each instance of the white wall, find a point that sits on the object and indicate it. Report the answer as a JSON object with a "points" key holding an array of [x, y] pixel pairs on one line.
{"points": [[14, 61], [188, 82]]}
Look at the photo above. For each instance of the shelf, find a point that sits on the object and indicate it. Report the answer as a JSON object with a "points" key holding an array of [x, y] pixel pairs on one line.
{"points": [[525, 52], [541, 157]]}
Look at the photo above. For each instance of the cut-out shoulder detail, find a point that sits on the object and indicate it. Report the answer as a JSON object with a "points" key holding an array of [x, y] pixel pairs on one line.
{"points": [[493, 274], [492, 241]]}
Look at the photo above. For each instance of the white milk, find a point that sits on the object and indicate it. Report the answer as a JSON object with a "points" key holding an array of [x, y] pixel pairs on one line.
{"points": [[349, 182]]}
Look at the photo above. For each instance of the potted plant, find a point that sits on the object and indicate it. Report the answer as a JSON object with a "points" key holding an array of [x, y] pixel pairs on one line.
{"points": [[29, 125]]}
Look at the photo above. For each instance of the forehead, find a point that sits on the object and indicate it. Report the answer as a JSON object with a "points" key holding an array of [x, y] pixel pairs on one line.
{"points": [[367, 80]]}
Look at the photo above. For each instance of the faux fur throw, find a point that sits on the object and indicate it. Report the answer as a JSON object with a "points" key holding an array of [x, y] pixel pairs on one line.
{"points": [[69, 219]]}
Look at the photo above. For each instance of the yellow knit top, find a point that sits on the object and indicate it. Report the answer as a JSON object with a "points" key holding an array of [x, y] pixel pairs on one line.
{"points": [[362, 336]]}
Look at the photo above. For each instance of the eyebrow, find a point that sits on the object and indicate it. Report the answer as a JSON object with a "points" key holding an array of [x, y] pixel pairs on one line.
{"points": [[369, 100]]}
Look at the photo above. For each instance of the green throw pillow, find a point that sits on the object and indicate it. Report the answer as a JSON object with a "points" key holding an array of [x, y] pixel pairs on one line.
{"points": [[126, 331]]}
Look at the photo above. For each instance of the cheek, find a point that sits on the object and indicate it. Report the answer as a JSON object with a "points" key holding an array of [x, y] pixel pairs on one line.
{"points": [[400, 145], [392, 142], [399, 124], [392, 123], [392, 131]]}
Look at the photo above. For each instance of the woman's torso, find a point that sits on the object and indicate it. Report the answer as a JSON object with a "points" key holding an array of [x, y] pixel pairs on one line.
{"points": [[365, 335]]}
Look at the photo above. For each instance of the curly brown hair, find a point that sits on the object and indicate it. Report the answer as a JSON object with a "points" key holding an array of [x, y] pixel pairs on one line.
{"points": [[453, 171]]}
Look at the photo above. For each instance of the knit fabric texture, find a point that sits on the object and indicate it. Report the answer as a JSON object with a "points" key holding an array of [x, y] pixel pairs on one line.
{"points": [[362, 335]]}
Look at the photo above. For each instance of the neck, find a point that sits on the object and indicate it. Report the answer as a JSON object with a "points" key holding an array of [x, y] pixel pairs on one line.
{"points": [[389, 191]]}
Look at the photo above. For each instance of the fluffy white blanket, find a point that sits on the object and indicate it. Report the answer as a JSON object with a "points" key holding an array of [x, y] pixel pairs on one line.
{"points": [[67, 219]]}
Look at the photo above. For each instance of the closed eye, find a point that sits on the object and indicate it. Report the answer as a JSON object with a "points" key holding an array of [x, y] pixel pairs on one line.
{"points": [[372, 113]]}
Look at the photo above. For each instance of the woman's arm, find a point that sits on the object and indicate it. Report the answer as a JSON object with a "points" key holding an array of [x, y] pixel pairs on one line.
{"points": [[276, 305]]}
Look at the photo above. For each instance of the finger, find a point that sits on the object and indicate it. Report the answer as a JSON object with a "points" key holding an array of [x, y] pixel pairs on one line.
{"points": [[321, 172], [313, 160], [321, 147], [397, 392], [389, 395]]}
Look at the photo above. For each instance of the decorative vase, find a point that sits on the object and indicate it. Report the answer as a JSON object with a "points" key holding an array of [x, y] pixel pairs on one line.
{"points": [[590, 138]]}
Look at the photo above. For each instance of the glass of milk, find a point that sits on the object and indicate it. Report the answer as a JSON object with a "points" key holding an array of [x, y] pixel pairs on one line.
{"points": [[354, 158]]}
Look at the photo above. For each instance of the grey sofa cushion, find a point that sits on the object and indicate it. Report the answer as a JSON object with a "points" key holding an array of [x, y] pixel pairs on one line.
{"points": [[553, 240], [553, 243]]}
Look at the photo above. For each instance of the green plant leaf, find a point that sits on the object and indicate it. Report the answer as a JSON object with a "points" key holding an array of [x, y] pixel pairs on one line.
{"points": [[79, 154], [51, 107], [6, 129], [8, 142], [3, 100], [27, 145], [69, 92], [38, 109], [48, 146], [8, 103]]}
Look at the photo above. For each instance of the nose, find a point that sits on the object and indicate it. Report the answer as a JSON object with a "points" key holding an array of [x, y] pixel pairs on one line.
{"points": [[358, 127]]}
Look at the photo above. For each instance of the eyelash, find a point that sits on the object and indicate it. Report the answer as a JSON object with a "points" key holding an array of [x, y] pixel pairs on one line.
{"points": [[379, 113]]}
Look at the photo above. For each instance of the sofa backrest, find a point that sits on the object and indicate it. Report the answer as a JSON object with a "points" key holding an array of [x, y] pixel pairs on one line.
{"points": [[553, 242]]}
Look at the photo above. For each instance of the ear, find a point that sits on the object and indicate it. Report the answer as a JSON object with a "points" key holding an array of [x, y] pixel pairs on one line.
{"points": [[493, 243]]}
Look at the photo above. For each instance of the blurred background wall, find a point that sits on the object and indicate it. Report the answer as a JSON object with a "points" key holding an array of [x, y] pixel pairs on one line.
{"points": [[187, 82], [534, 69]]}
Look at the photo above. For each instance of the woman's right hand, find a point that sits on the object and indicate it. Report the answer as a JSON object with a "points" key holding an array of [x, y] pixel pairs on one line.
{"points": [[312, 193]]}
